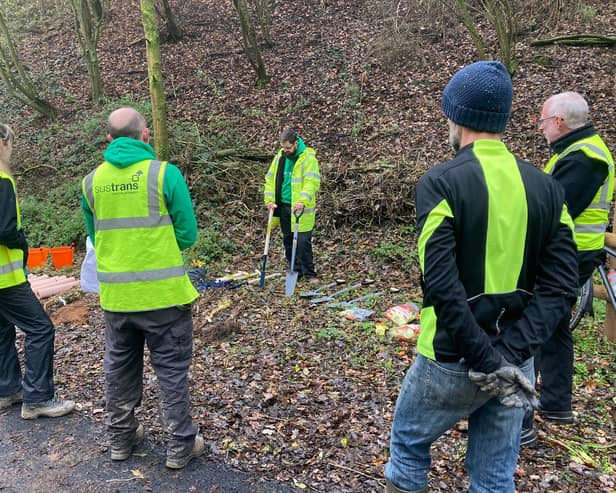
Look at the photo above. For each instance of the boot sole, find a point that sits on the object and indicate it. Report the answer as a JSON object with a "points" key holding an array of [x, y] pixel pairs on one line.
{"points": [[178, 464], [33, 414]]}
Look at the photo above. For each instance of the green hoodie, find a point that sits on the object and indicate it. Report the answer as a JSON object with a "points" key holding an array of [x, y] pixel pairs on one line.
{"points": [[122, 153], [289, 164]]}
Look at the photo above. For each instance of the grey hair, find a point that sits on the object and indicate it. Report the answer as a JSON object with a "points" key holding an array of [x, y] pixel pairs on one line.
{"points": [[6, 133], [131, 127], [571, 107], [289, 135]]}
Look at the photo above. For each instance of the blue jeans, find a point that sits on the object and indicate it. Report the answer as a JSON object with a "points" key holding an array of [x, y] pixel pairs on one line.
{"points": [[435, 396]]}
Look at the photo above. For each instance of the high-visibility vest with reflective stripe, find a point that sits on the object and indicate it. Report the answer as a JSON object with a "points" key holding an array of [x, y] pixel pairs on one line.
{"points": [[305, 172], [139, 263], [11, 259], [591, 224]]}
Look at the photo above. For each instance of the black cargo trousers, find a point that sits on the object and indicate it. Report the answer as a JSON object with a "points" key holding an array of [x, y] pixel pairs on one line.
{"points": [[20, 307], [304, 263], [168, 334]]}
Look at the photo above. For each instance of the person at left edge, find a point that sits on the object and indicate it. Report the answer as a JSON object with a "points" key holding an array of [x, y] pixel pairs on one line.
{"points": [[19, 307], [139, 215]]}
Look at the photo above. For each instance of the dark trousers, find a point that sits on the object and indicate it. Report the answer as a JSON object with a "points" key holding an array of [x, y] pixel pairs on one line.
{"points": [[20, 307], [168, 334], [304, 263], [555, 360]]}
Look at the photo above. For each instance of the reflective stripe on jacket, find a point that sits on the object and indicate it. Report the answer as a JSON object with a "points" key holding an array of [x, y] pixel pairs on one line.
{"points": [[140, 266], [305, 183], [591, 224], [11, 259]]}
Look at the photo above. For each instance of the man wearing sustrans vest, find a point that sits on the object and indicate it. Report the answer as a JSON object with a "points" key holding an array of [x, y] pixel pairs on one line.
{"points": [[19, 307], [497, 255], [139, 215], [583, 165]]}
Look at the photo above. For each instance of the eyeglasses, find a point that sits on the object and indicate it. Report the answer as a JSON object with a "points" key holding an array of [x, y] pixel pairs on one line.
{"points": [[541, 121]]}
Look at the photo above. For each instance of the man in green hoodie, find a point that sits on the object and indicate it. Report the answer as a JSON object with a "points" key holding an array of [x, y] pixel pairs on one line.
{"points": [[139, 215], [291, 186]]}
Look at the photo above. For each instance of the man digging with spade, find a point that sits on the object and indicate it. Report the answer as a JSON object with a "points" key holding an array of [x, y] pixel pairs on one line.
{"points": [[291, 186]]}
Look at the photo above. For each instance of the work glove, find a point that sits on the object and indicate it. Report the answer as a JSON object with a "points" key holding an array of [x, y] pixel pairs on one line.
{"points": [[509, 384]]}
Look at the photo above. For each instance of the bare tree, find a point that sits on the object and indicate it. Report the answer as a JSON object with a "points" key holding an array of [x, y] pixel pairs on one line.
{"points": [[264, 10], [249, 42], [155, 77], [90, 16], [174, 30], [15, 78]]}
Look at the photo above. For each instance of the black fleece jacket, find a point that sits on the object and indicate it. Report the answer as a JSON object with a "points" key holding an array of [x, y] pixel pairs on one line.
{"points": [[10, 236]]}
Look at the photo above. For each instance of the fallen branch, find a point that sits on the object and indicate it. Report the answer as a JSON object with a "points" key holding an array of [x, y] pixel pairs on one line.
{"points": [[577, 40], [36, 167], [349, 469]]}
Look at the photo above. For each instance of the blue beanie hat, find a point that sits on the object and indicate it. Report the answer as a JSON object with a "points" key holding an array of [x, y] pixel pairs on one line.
{"points": [[479, 97]]}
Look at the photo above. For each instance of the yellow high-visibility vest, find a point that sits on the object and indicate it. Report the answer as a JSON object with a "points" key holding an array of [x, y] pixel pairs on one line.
{"points": [[139, 263], [11, 259], [591, 224]]}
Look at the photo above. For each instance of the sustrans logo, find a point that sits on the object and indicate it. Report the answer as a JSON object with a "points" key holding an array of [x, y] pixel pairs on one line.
{"points": [[132, 186]]}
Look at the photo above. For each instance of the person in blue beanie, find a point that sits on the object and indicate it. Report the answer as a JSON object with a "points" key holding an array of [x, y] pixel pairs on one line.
{"points": [[497, 258]]}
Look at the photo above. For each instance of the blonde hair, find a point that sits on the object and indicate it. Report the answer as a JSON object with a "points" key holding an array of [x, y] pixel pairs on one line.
{"points": [[6, 133], [6, 136]]}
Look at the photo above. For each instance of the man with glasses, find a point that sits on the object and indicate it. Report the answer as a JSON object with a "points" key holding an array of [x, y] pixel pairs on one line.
{"points": [[291, 185], [583, 165]]}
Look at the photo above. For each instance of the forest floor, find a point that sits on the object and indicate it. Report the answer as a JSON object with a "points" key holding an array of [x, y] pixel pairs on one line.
{"points": [[282, 389]]}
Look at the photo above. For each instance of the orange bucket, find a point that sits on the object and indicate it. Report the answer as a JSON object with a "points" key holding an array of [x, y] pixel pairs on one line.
{"points": [[61, 256], [37, 257]]}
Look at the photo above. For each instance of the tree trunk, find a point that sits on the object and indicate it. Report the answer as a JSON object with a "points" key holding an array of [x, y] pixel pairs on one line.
{"points": [[155, 77], [469, 23], [89, 19], [174, 31], [500, 15], [15, 78], [264, 10], [249, 42]]}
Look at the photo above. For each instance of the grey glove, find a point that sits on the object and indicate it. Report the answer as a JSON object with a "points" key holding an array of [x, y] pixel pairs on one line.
{"points": [[509, 384]]}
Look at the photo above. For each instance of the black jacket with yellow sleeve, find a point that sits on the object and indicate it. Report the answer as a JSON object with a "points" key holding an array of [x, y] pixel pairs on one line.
{"points": [[497, 256]]}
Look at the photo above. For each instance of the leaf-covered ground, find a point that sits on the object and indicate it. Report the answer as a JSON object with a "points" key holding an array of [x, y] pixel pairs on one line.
{"points": [[281, 388], [291, 391]]}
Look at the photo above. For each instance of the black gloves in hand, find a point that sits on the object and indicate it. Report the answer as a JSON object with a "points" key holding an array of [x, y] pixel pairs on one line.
{"points": [[509, 384]]}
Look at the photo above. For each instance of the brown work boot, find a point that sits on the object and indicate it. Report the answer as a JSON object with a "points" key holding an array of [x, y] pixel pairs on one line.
{"points": [[178, 462], [53, 408], [123, 453], [9, 400]]}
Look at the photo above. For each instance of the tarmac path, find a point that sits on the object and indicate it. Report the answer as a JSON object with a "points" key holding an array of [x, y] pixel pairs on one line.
{"points": [[70, 455]]}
